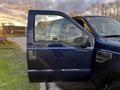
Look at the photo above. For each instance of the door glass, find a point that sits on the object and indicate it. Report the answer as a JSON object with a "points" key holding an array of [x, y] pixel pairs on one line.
{"points": [[48, 27], [53, 29], [71, 32]]}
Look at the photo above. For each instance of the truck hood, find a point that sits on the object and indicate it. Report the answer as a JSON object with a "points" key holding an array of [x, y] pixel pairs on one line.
{"points": [[113, 40]]}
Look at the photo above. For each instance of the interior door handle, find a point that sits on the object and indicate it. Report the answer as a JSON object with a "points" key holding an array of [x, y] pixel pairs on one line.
{"points": [[103, 55]]}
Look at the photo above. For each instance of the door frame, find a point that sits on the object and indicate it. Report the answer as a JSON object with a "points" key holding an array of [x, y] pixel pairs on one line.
{"points": [[31, 23], [31, 26]]}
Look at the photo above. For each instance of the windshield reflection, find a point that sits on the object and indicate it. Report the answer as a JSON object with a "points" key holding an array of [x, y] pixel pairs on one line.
{"points": [[105, 26]]}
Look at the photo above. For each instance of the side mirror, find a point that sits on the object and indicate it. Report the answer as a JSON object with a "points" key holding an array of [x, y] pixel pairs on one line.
{"points": [[82, 41]]}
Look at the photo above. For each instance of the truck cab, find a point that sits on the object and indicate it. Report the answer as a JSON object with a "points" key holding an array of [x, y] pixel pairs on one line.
{"points": [[73, 49]]}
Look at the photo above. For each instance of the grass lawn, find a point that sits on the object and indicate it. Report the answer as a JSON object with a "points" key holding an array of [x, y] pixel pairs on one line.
{"points": [[15, 35], [13, 69]]}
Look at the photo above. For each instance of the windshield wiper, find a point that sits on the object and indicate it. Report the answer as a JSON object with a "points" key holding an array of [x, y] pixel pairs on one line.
{"points": [[108, 36]]}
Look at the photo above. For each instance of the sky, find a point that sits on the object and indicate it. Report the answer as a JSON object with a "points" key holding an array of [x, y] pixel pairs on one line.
{"points": [[16, 11]]}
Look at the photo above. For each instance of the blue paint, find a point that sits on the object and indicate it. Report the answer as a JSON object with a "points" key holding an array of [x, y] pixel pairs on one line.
{"points": [[49, 62]]}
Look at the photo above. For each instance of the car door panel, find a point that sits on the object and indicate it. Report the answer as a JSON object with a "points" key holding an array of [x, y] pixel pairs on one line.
{"points": [[61, 63], [56, 60], [64, 58]]}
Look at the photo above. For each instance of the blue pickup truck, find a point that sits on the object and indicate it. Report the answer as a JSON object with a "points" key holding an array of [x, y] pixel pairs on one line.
{"points": [[73, 49]]}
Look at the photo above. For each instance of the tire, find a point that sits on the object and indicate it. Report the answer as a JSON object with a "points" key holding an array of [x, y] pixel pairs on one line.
{"points": [[112, 86], [110, 82], [107, 77]]}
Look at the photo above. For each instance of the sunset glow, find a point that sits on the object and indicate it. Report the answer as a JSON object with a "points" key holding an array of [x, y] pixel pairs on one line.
{"points": [[15, 11]]}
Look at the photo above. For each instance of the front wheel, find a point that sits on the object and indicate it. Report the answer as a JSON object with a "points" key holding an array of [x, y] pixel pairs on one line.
{"points": [[112, 86]]}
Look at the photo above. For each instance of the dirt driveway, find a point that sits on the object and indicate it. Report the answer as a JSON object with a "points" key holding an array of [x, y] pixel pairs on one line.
{"points": [[21, 41]]}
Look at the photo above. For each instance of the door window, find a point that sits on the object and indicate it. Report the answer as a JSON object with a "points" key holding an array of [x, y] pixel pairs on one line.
{"points": [[71, 32], [48, 28], [56, 29]]}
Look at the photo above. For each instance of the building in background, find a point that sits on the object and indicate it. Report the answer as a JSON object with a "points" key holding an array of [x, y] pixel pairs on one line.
{"points": [[11, 29], [15, 30]]}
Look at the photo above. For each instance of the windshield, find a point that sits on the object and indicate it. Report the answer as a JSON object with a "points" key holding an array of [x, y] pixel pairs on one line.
{"points": [[105, 26]]}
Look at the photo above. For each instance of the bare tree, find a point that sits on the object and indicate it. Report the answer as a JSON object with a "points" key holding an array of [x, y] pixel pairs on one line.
{"points": [[74, 13], [111, 9]]}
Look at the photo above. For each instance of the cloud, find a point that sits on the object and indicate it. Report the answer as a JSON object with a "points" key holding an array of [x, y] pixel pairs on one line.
{"points": [[16, 10], [66, 5]]}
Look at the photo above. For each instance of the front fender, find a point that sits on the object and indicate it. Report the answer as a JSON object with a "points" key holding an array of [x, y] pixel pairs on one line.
{"points": [[105, 73]]}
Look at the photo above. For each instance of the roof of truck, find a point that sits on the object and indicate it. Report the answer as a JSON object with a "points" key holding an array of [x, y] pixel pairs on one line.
{"points": [[89, 16]]}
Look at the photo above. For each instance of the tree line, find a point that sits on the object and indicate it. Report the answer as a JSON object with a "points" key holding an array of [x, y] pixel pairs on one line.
{"points": [[111, 9]]}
